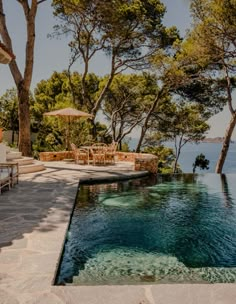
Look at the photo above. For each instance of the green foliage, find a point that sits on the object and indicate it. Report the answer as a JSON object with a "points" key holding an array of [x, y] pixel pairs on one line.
{"points": [[207, 56], [104, 24], [128, 32], [127, 102], [49, 138], [201, 162], [184, 121], [63, 89], [59, 91], [9, 110], [165, 157], [215, 28], [203, 66], [102, 134], [125, 147], [214, 34], [80, 132], [206, 91]]}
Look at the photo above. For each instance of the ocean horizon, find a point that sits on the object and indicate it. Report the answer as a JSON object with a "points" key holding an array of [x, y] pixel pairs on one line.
{"points": [[191, 150]]}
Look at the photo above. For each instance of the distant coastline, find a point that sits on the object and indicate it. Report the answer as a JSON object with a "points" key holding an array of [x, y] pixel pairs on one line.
{"points": [[215, 140]]}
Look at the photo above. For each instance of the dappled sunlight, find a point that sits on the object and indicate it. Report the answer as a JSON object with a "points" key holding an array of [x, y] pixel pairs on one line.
{"points": [[42, 202], [35, 205]]}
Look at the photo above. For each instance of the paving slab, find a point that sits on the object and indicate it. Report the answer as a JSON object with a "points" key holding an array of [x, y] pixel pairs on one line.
{"points": [[101, 295], [34, 217]]}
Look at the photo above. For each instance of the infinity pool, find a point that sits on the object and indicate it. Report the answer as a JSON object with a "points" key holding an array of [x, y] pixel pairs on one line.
{"points": [[166, 229]]}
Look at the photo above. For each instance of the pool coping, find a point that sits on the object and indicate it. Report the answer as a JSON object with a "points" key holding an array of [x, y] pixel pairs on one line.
{"points": [[32, 240]]}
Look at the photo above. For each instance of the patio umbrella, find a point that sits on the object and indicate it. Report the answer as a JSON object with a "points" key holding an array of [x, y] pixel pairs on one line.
{"points": [[68, 114]]}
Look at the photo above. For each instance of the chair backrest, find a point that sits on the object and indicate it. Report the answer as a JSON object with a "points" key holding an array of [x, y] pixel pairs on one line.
{"points": [[81, 151], [73, 147]]}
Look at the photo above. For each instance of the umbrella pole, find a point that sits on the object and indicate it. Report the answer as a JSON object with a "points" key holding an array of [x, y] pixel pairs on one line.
{"points": [[68, 114], [68, 136]]}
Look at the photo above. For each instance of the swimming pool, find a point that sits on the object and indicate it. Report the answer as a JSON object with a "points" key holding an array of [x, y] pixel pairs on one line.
{"points": [[165, 229]]}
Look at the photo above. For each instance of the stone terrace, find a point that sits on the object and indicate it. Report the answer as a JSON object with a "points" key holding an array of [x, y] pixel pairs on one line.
{"points": [[140, 161], [34, 219]]}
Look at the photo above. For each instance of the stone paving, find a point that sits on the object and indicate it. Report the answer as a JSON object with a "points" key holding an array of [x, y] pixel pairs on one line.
{"points": [[34, 217]]}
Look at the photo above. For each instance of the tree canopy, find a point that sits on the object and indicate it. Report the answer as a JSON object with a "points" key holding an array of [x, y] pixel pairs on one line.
{"points": [[214, 36], [127, 32]]}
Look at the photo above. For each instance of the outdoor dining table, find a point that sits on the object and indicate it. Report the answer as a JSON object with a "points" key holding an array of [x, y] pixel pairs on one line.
{"points": [[88, 148], [94, 156]]}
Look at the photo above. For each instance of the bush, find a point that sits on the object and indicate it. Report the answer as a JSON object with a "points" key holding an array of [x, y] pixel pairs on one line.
{"points": [[165, 158]]}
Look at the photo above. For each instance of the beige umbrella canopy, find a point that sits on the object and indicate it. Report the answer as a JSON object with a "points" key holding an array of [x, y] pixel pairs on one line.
{"points": [[68, 114]]}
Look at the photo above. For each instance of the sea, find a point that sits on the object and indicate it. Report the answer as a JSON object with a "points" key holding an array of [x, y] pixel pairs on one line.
{"points": [[211, 152]]}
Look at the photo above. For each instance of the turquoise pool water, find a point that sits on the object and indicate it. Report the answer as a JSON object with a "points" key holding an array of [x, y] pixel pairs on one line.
{"points": [[166, 229]]}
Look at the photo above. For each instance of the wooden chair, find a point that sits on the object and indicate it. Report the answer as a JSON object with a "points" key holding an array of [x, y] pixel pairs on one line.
{"points": [[73, 147], [98, 153], [80, 155], [110, 153]]}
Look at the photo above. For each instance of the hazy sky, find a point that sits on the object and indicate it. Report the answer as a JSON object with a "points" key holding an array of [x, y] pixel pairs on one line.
{"points": [[53, 55]]}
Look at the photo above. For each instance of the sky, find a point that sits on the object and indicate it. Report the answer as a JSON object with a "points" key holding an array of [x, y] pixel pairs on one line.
{"points": [[52, 54]]}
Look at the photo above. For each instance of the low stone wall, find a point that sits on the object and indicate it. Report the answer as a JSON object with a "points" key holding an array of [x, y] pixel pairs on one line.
{"points": [[55, 156], [146, 164], [142, 161]]}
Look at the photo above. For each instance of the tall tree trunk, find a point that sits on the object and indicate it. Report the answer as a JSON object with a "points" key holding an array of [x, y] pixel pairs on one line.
{"points": [[101, 96], [146, 121], [83, 81], [24, 122], [226, 143], [120, 145], [23, 81], [176, 162], [230, 128], [12, 136], [98, 104], [178, 146], [106, 87], [143, 132]]}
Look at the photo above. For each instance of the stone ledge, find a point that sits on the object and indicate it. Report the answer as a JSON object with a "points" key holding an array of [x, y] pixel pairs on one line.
{"points": [[56, 156], [142, 161]]}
